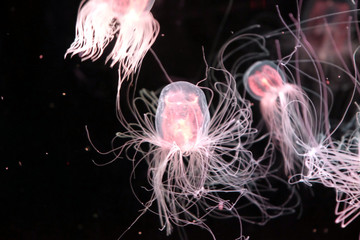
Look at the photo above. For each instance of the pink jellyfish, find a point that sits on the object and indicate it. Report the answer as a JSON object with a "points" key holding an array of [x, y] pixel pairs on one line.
{"points": [[182, 115], [290, 117], [285, 109], [197, 153], [128, 21], [300, 129], [296, 101], [298, 117]]}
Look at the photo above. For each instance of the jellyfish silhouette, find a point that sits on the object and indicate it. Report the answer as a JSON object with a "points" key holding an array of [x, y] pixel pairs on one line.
{"points": [[128, 22]]}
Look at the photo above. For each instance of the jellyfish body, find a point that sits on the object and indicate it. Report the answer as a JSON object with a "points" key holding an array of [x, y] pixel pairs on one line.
{"points": [[262, 78], [129, 22], [187, 168], [285, 109], [181, 121], [199, 164], [182, 115]]}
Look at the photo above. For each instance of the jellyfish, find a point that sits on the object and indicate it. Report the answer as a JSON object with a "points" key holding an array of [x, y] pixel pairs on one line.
{"points": [[127, 22], [298, 118], [285, 109], [195, 141], [302, 134], [290, 77], [310, 156]]}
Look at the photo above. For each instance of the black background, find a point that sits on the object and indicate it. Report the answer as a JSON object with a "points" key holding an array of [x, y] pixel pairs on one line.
{"points": [[49, 186]]}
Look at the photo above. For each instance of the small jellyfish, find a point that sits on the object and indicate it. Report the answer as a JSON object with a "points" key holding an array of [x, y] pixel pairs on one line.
{"points": [[181, 123], [198, 157], [298, 97], [129, 22], [263, 78], [285, 109]]}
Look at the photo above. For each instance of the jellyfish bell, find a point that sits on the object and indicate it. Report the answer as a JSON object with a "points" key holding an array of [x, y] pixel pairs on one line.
{"points": [[182, 115], [263, 77]]}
